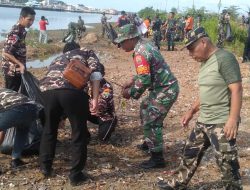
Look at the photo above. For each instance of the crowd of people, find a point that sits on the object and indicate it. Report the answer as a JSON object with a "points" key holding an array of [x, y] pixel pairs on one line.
{"points": [[74, 87]]}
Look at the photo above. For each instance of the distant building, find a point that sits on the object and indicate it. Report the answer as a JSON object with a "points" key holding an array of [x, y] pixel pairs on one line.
{"points": [[32, 4], [110, 11], [48, 2], [4, 1]]}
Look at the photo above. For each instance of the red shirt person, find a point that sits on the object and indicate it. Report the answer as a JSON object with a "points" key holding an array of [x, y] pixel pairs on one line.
{"points": [[43, 37]]}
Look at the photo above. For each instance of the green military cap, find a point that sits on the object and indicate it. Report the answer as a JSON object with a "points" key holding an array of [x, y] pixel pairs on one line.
{"points": [[126, 32], [193, 35]]}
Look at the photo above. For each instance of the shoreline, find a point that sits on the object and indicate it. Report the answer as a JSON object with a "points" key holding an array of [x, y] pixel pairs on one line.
{"points": [[54, 9], [36, 50]]}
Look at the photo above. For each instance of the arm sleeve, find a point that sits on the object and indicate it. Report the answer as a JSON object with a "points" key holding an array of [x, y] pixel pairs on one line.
{"points": [[12, 40], [143, 77], [95, 76], [229, 69]]}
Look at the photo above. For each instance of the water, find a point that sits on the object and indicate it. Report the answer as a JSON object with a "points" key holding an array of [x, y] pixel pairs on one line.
{"points": [[57, 20], [38, 63]]}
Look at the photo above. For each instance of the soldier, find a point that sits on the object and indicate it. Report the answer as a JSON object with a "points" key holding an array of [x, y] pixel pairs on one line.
{"points": [[80, 28], [19, 111], [219, 103], [156, 27], [71, 33], [221, 29], [171, 30], [153, 74], [14, 50], [104, 23], [106, 118]]}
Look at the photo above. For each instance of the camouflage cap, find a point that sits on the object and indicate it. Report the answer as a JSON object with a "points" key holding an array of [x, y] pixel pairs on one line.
{"points": [[193, 35], [126, 32]]}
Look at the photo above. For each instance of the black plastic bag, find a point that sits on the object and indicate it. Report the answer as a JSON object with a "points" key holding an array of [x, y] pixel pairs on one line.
{"points": [[32, 144], [30, 86], [229, 33], [8, 143]]}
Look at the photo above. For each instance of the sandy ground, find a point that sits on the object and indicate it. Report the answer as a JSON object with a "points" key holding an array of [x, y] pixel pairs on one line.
{"points": [[112, 166]]}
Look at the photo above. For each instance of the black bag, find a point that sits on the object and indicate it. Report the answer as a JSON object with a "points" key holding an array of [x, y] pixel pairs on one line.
{"points": [[30, 85], [229, 34], [32, 144]]}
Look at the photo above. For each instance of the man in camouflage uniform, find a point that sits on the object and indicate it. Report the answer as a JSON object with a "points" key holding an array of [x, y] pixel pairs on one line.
{"points": [[219, 103], [14, 50], [80, 28], [19, 111], [153, 74], [106, 118], [63, 98], [71, 33], [104, 23], [156, 27], [221, 29], [171, 30]]}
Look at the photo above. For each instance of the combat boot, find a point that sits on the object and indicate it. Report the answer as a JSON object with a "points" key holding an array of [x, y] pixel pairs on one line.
{"points": [[143, 147], [156, 161], [168, 48], [172, 48]]}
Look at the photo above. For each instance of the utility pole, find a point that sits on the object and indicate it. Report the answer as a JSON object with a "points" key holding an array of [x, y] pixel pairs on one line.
{"points": [[166, 5], [178, 8]]}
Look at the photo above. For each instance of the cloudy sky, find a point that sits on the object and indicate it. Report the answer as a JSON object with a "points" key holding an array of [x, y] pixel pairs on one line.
{"points": [[136, 5]]}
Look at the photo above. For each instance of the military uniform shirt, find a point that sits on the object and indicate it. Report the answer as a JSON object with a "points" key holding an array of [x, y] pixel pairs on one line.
{"points": [[171, 25], [54, 78], [152, 70], [10, 98], [14, 45]]}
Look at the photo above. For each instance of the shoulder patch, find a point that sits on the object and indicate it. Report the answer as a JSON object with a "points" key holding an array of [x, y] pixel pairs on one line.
{"points": [[141, 65]]}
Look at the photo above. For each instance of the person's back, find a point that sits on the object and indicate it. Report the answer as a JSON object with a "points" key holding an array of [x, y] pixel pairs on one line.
{"points": [[16, 110], [123, 19], [189, 23], [42, 23], [157, 24], [147, 22], [43, 37]]}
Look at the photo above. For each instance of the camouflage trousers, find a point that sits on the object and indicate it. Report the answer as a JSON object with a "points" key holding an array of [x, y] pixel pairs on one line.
{"points": [[157, 38], [170, 38], [221, 38], [202, 137], [153, 111]]}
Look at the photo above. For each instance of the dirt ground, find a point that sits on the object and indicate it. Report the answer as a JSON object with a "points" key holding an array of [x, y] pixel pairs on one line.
{"points": [[113, 166]]}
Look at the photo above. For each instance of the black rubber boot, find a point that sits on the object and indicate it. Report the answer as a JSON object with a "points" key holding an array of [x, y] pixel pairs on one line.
{"points": [[143, 147], [172, 48], [156, 161], [168, 48]]}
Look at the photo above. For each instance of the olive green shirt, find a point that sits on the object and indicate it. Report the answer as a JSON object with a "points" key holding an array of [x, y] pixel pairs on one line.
{"points": [[219, 71]]}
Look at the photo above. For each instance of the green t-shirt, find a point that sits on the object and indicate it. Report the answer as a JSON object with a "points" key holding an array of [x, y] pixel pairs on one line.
{"points": [[220, 70]]}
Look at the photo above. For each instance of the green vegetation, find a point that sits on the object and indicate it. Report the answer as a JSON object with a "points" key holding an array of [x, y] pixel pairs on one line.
{"points": [[210, 23]]}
